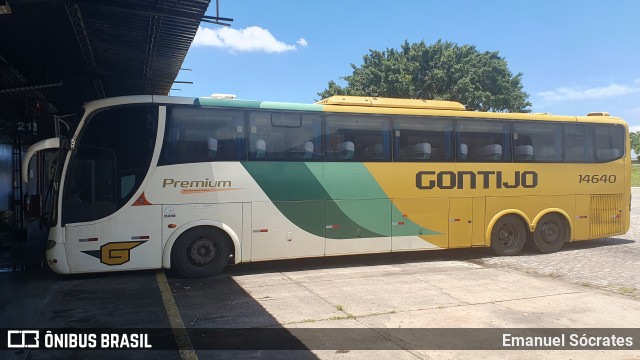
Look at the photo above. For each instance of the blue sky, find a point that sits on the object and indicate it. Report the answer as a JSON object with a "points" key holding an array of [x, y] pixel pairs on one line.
{"points": [[576, 56]]}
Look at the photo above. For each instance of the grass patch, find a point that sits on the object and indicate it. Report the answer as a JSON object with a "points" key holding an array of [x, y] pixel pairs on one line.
{"points": [[349, 316], [635, 175], [626, 290]]}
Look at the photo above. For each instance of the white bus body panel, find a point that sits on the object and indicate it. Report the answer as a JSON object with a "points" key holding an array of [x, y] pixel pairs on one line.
{"points": [[276, 237], [119, 241]]}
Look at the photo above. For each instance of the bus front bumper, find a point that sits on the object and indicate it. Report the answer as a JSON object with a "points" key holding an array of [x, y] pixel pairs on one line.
{"points": [[57, 257]]}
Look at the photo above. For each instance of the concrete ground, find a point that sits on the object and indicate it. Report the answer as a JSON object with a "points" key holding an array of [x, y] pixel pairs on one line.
{"points": [[357, 302], [374, 293]]}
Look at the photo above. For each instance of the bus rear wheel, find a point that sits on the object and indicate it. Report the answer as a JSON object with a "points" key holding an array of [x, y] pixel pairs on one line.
{"points": [[200, 252], [508, 235], [550, 234]]}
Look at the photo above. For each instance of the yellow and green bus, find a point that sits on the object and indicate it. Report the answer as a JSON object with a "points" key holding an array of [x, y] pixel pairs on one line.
{"points": [[198, 183]]}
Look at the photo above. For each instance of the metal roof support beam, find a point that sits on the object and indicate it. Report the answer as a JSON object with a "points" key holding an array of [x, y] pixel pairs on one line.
{"points": [[75, 15], [29, 87], [152, 44]]}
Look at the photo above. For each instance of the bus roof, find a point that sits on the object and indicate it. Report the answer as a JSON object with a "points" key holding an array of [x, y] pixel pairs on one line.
{"points": [[358, 104], [392, 102]]}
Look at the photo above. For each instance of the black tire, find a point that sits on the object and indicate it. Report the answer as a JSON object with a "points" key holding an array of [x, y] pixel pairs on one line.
{"points": [[550, 234], [201, 252], [508, 235]]}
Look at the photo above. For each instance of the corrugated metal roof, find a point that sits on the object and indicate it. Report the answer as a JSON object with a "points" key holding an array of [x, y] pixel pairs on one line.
{"points": [[90, 49]]}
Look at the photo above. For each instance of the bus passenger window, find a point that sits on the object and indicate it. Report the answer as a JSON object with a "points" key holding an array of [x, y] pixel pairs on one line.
{"points": [[578, 143], [196, 134], [285, 136], [486, 141], [609, 141], [358, 138], [423, 139], [537, 142]]}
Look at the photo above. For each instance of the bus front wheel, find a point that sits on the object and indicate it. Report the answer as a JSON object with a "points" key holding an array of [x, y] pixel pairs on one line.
{"points": [[200, 252], [550, 234], [508, 235]]}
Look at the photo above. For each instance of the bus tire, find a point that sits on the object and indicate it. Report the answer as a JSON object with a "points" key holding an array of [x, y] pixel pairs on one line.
{"points": [[200, 252], [508, 235], [550, 234]]}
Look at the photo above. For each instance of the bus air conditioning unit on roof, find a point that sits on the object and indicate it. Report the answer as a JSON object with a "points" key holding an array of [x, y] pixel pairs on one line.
{"points": [[223, 96]]}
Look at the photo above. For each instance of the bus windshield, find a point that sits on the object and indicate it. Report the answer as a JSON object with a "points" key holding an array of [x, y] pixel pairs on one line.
{"points": [[110, 159]]}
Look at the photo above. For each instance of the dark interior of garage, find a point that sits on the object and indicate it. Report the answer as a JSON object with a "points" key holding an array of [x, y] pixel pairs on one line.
{"points": [[56, 55]]}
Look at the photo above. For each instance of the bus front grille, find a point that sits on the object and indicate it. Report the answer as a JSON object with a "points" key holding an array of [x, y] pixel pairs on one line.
{"points": [[605, 215]]}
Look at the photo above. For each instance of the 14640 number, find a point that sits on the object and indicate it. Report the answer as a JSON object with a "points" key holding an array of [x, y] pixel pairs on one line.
{"points": [[595, 179]]}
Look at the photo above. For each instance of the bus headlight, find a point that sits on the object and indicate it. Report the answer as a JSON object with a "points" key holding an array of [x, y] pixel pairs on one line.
{"points": [[50, 244]]}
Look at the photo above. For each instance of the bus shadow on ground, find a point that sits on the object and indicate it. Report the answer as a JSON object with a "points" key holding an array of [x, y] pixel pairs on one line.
{"points": [[225, 322], [362, 260], [132, 300], [597, 243]]}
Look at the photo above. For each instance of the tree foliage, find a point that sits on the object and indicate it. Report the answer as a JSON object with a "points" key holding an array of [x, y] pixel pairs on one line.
{"points": [[442, 71], [634, 138]]}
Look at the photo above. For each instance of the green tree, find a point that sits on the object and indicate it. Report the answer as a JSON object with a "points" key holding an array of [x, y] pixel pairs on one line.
{"points": [[634, 138], [441, 71]]}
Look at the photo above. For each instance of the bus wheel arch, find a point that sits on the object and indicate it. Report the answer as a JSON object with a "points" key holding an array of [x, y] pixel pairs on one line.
{"points": [[223, 229], [507, 232], [201, 251], [552, 229]]}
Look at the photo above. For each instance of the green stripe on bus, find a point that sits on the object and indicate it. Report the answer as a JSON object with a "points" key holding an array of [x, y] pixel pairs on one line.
{"points": [[289, 183], [290, 106], [203, 101], [358, 194]]}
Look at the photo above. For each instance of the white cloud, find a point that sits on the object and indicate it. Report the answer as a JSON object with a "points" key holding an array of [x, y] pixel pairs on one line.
{"points": [[250, 39], [578, 93], [634, 128]]}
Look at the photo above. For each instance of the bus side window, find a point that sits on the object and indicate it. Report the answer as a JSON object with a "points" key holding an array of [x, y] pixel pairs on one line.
{"points": [[537, 142], [196, 134], [609, 142], [357, 138], [578, 143], [486, 141], [284, 136], [423, 139]]}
